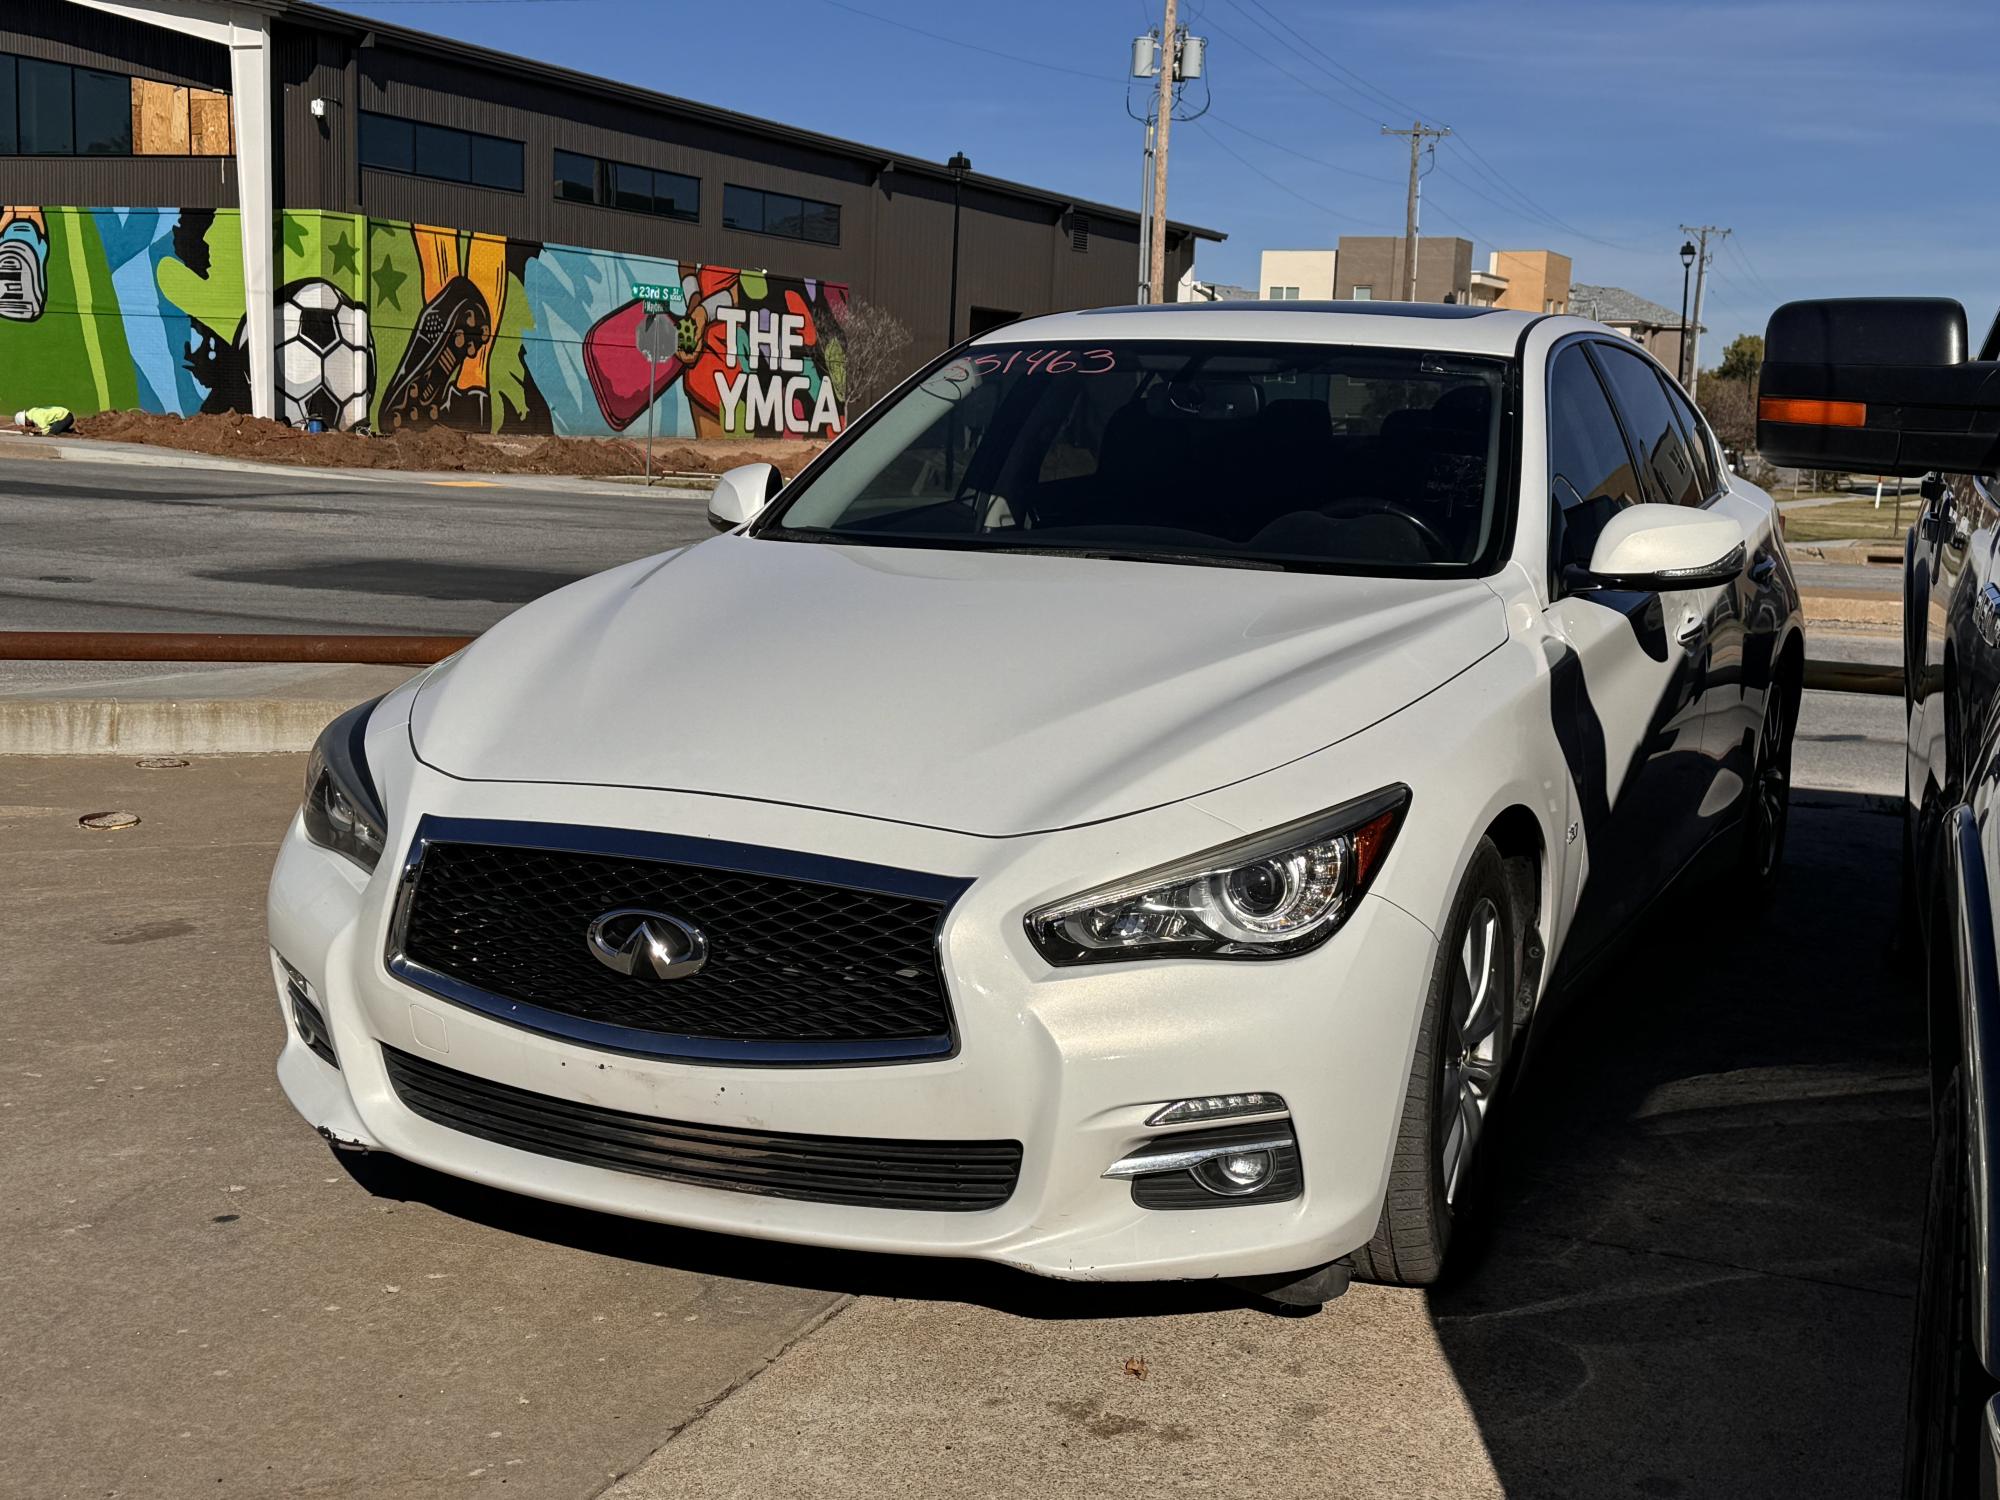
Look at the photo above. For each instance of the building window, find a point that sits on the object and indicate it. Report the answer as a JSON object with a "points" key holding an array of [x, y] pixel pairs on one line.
{"points": [[617, 184], [389, 144], [1364, 294], [1283, 294], [782, 214], [48, 126], [56, 109]]}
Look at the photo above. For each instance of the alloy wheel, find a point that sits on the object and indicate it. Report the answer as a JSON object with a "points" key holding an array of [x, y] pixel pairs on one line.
{"points": [[1771, 795], [1473, 1043]]}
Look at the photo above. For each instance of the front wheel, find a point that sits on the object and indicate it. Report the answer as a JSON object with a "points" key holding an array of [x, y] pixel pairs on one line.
{"points": [[1769, 812], [1461, 1059]]}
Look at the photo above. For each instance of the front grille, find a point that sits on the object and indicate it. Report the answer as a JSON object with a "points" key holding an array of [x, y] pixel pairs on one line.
{"points": [[947, 1175], [800, 964]]}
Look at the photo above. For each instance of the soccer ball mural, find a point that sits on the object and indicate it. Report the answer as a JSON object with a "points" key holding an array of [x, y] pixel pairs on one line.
{"points": [[324, 364]]}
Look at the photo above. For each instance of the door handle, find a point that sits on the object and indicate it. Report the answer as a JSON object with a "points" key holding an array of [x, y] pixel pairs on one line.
{"points": [[1694, 627]]}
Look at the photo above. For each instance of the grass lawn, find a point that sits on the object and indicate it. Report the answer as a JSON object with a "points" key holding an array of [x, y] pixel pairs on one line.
{"points": [[1855, 519]]}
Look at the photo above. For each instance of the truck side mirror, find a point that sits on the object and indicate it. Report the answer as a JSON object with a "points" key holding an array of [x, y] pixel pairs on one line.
{"points": [[1876, 385]]}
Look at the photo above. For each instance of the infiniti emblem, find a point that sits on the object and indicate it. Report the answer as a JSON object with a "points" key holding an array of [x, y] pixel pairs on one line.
{"points": [[646, 944]]}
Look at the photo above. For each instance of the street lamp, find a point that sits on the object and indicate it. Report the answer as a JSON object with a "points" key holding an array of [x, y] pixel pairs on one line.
{"points": [[959, 164], [1687, 264]]}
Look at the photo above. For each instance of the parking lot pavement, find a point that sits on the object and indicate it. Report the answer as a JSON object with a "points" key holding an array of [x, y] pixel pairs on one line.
{"points": [[197, 1299], [1699, 1284]]}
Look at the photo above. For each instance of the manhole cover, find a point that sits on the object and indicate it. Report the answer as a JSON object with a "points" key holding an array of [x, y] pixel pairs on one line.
{"points": [[106, 821], [160, 763]]}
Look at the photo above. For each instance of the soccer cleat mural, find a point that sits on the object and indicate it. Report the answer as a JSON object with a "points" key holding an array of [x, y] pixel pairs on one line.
{"points": [[394, 326]]}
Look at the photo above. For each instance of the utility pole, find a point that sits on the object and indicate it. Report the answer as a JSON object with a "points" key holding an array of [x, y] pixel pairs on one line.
{"points": [[1419, 133], [1702, 257], [1163, 106]]}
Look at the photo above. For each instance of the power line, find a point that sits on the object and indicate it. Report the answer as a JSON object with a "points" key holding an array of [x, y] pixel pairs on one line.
{"points": [[1359, 84], [1306, 84], [1500, 180], [1224, 147], [952, 41], [1317, 161], [1755, 275]]}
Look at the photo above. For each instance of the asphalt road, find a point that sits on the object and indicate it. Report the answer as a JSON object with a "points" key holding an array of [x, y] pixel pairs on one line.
{"points": [[96, 546], [1699, 1284]]}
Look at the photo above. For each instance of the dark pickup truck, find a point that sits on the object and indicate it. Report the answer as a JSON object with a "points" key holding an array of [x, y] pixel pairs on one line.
{"points": [[1889, 386]]}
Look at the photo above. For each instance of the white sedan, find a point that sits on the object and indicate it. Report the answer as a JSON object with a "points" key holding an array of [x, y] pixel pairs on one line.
{"points": [[1117, 813]]}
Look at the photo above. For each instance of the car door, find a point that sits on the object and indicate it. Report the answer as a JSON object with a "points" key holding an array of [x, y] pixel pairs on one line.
{"points": [[1626, 678], [1748, 616]]}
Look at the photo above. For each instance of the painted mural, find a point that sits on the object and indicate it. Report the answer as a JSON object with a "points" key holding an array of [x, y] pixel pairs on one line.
{"points": [[390, 326]]}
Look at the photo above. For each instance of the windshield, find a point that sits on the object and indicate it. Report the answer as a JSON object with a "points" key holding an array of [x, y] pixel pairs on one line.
{"points": [[1286, 455]]}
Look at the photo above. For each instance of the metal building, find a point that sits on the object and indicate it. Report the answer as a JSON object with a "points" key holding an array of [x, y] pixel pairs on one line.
{"points": [[457, 233]]}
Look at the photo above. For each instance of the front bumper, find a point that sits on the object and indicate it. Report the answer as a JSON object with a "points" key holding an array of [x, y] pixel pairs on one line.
{"points": [[1069, 1062]]}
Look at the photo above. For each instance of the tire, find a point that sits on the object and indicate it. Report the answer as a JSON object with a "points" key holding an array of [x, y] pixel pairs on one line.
{"points": [[1944, 1424], [1434, 1196], [1770, 794]]}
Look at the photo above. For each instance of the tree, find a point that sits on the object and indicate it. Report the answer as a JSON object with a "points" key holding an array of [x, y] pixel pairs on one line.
{"points": [[1742, 359], [1731, 409], [875, 347]]}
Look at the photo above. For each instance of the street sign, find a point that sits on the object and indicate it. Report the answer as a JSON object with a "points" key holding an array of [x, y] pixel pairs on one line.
{"points": [[653, 291], [657, 337]]}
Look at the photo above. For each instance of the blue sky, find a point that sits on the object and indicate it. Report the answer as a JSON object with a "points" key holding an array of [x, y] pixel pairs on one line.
{"points": [[1849, 143]]}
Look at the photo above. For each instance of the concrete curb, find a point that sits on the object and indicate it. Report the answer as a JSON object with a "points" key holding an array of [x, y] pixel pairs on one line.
{"points": [[146, 726], [147, 455]]}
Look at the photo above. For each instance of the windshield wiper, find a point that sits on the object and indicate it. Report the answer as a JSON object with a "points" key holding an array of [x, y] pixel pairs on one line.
{"points": [[1115, 554]]}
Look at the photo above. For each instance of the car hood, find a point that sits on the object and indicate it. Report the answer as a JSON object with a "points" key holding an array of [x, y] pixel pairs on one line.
{"points": [[987, 693]]}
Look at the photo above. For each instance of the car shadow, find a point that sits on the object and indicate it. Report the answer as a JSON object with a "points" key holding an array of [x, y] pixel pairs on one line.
{"points": [[1709, 1197]]}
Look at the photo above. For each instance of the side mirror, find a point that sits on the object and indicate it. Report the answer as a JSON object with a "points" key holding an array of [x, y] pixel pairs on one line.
{"points": [[1652, 548], [740, 493], [1876, 385]]}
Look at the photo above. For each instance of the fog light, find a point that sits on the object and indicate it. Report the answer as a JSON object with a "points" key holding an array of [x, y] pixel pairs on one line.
{"points": [[1237, 1173], [1216, 1107]]}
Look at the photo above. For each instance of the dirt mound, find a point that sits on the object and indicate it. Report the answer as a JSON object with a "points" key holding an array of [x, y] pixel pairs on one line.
{"points": [[444, 449]]}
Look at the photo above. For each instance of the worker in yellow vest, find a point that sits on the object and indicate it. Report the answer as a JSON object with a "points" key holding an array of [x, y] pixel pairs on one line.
{"points": [[45, 421]]}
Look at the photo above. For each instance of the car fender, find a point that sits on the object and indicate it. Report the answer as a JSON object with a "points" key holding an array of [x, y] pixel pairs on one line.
{"points": [[1475, 746]]}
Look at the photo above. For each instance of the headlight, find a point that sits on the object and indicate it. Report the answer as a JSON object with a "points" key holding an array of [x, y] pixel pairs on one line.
{"points": [[1277, 894], [343, 811]]}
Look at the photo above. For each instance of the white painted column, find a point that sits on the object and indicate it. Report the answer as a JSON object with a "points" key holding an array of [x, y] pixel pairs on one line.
{"points": [[246, 31], [250, 82]]}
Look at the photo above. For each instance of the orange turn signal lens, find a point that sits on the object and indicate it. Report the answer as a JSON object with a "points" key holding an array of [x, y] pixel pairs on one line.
{"points": [[1812, 413]]}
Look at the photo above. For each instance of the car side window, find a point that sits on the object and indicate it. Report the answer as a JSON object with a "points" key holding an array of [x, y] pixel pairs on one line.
{"points": [[1696, 433], [1590, 469], [1656, 435]]}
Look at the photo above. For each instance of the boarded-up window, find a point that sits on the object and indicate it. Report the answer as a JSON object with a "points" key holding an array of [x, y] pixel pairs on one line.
{"points": [[159, 119], [209, 123]]}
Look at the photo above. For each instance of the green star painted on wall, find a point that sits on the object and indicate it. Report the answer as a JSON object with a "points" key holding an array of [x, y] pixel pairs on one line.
{"points": [[294, 230], [342, 253], [388, 283]]}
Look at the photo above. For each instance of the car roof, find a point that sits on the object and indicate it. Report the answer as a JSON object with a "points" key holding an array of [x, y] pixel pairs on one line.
{"points": [[1403, 325]]}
